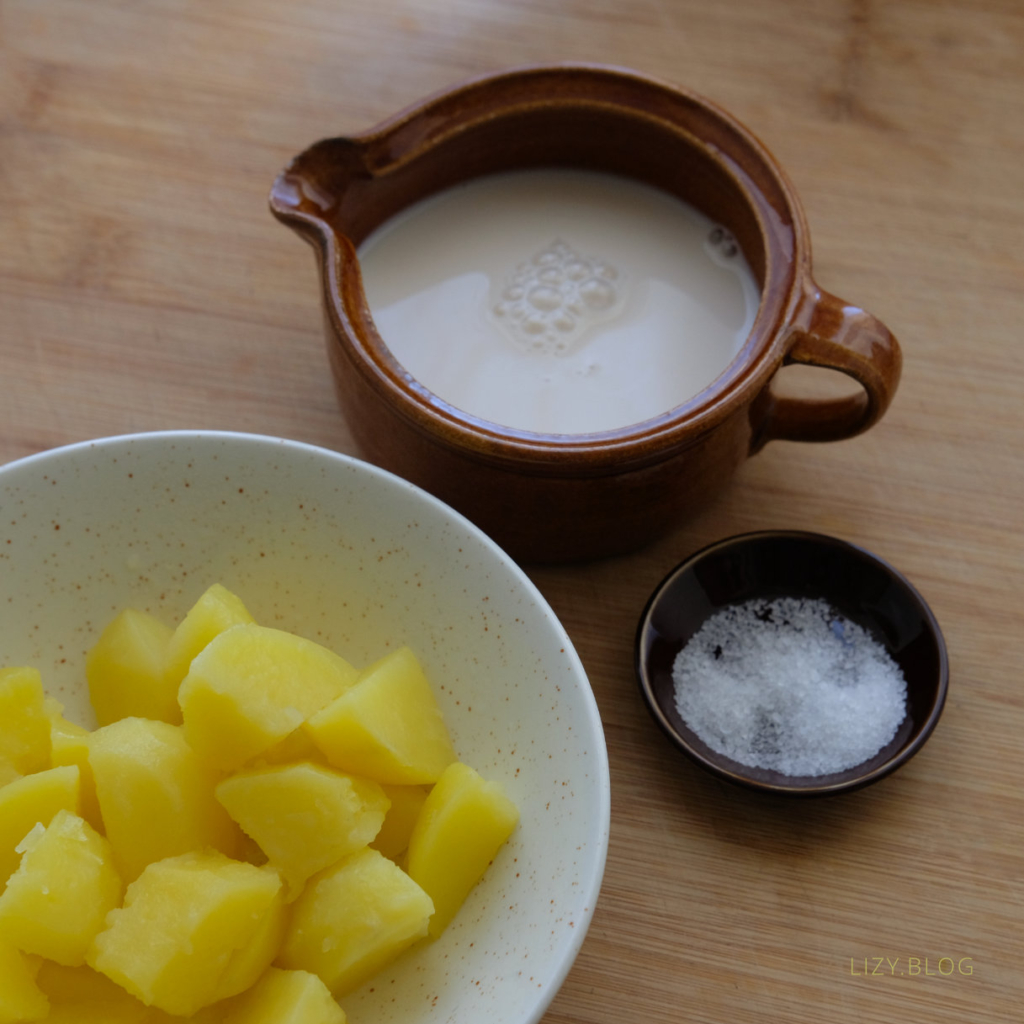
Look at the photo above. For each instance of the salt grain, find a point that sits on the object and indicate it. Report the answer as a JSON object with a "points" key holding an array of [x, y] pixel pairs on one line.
{"points": [[789, 685]]}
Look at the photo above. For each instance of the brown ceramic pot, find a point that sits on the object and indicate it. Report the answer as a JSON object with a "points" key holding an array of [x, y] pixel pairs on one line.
{"points": [[563, 497]]}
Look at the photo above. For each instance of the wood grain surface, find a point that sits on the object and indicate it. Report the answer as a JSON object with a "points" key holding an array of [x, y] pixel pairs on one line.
{"points": [[144, 285]]}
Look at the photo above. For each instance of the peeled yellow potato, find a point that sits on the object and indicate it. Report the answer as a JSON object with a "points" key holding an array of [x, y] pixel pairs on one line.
{"points": [[33, 800], [463, 824], [80, 995], [325, 761], [69, 744], [156, 795], [121, 1011], [58, 899], [406, 804], [305, 817], [283, 997], [263, 944], [24, 724], [352, 919], [216, 610], [387, 727], [21, 999], [295, 747], [252, 686], [186, 923], [125, 670], [72, 986]]}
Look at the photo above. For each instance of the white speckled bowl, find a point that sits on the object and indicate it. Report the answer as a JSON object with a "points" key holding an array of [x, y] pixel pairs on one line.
{"points": [[361, 561]]}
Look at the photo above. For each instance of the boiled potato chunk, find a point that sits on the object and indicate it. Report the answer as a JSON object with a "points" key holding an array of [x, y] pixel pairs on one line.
{"points": [[121, 1011], [295, 747], [156, 795], [284, 997], [237, 781], [78, 985], [216, 610], [21, 999], [463, 824], [24, 725], [125, 670], [406, 804], [387, 727], [251, 687], [354, 918], [304, 817], [184, 924], [259, 950], [35, 799], [70, 745], [79, 995], [58, 899], [73, 984]]}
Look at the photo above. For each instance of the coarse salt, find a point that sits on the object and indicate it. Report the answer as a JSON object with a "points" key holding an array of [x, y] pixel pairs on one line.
{"points": [[789, 685]]}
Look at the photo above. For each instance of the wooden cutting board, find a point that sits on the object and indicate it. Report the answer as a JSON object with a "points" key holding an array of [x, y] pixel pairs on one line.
{"points": [[144, 285]]}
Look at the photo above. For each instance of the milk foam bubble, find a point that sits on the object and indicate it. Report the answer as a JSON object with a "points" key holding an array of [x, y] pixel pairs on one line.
{"points": [[549, 302]]}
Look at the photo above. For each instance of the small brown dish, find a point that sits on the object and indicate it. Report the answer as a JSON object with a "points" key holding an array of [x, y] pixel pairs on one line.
{"points": [[772, 564]]}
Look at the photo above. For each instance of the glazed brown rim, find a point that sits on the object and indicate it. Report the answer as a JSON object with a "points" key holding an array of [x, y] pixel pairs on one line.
{"points": [[423, 127]]}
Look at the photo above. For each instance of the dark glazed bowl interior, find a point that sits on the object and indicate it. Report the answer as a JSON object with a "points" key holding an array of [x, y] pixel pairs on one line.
{"points": [[768, 565]]}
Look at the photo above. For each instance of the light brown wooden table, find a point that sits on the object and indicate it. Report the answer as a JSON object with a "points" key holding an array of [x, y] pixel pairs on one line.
{"points": [[144, 285]]}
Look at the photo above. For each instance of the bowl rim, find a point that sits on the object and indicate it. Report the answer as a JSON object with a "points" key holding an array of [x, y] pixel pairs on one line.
{"points": [[714, 766], [591, 887]]}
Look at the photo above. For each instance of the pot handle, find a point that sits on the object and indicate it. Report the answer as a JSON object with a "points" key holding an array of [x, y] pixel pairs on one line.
{"points": [[831, 333]]}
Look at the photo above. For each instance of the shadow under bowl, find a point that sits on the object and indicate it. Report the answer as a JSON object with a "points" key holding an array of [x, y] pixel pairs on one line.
{"points": [[773, 564]]}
